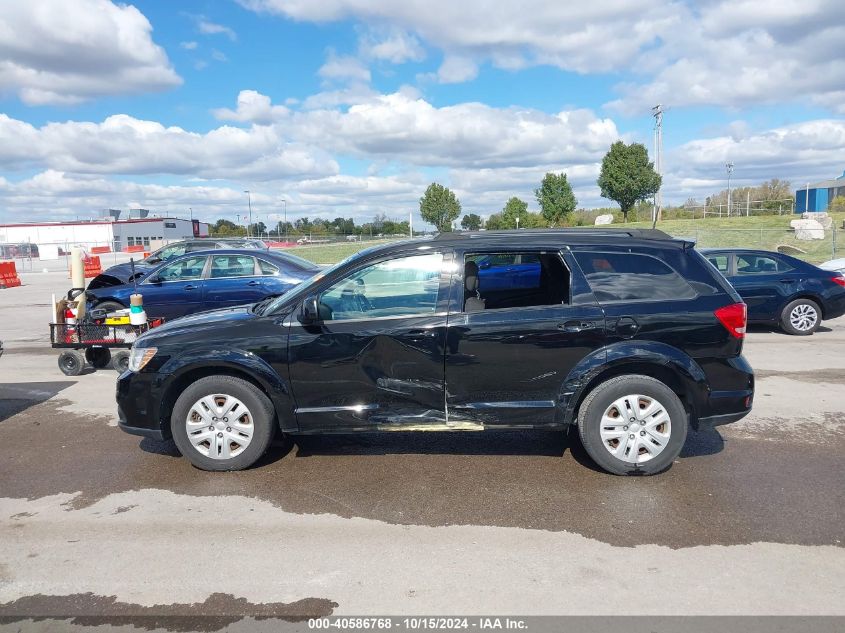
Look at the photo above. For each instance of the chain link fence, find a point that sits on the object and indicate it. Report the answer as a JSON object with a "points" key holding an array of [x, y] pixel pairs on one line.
{"points": [[830, 245]]}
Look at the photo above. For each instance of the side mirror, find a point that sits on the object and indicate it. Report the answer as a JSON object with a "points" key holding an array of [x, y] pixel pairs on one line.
{"points": [[484, 265], [155, 279], [310, 312], [153, 260]]}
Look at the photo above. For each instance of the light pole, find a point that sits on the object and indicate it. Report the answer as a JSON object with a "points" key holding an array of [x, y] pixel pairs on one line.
{"points": [[729, 166], [249, 201], [285, 204]]}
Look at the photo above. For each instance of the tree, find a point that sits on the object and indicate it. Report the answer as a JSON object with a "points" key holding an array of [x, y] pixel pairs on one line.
{"points": [[471, 222], [627, 176], [555, 198], [439, 207]]}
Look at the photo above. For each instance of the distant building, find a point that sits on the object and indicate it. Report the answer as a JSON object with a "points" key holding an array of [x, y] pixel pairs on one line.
{"points": [[818, 197], [138, 230]]}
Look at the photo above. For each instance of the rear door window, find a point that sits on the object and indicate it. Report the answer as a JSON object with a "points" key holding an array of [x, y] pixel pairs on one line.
{"points": [[632, 277], [223, 266], [721, 262], [515, 280], [753, 264]]}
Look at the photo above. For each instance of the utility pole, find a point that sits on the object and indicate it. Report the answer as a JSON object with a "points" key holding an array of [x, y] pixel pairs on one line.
{"points": [[249, 201], [729, 167], [748, 204], [657, 210], [192, 213], [411, 222], [285, 204]]}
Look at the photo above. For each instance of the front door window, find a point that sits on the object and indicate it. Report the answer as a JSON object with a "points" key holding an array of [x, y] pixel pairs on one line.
{"points": [[406, 286]]}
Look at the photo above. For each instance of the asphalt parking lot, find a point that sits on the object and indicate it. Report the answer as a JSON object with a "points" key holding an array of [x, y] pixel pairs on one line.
{"points": [[748, 521]]}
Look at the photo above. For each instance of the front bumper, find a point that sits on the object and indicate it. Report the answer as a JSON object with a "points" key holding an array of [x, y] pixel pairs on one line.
{"points": [[139, 397]]}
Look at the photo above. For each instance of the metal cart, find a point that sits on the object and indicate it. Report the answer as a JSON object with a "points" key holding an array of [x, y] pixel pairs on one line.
{"points": [[94, 344]]}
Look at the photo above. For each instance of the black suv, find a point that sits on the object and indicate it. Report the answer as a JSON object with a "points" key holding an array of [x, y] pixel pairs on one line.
{"points": [[629, 335]]}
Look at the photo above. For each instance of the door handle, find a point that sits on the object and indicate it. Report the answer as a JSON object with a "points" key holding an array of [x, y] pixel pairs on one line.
{"points": [[576, 326], [786, 281], [254, 283], [189, 287]]}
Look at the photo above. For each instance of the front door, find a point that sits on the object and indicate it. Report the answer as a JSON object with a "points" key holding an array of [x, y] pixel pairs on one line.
{"points": [[176, 289], [375, 358], [508, 355]]}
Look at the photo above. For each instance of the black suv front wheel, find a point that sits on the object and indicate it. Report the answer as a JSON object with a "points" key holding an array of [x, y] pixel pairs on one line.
{"points": [[632, 425], [222, 423]]}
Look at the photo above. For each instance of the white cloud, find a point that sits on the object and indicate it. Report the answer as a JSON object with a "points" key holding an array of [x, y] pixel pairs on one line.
{"points": [[403, 126], [207, 27], [124, 145], [68, 51], [594, 36], [811, 150], [344, 68], [188, 46], [719, 52], [253, 107], [54, 195], [456, 69], [394, 45]]}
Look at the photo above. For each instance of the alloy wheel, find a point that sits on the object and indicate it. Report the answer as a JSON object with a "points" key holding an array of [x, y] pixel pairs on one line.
{"points": [[803, 317]]}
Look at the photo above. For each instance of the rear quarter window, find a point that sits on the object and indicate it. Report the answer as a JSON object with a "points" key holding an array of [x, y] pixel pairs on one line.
{"points": [[632, 277]]}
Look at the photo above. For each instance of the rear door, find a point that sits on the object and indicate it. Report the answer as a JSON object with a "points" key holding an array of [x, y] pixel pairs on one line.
{"points": [[175, 289], [765, 283], [506, 364], [232, 280]]}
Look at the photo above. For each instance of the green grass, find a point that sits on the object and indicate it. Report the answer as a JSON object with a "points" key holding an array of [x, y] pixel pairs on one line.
{"points": [[764, 231], [332, 253]]}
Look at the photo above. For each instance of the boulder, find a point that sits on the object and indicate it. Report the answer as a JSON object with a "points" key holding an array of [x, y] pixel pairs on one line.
{"points": [[807, 229], [604, 219]]}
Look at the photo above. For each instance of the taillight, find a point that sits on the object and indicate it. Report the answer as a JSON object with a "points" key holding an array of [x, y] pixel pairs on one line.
{"points": [[734, 317], [839, 279]]}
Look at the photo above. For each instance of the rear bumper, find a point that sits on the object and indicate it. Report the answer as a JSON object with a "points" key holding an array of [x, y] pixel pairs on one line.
{"points": [[727, 405], [835, 307]]}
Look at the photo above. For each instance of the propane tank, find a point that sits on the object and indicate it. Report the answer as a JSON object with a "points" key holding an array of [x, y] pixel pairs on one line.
{"points": [[137, 316]]}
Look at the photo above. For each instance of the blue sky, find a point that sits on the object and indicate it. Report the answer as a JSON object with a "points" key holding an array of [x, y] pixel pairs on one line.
{"points": [[349, 108]]}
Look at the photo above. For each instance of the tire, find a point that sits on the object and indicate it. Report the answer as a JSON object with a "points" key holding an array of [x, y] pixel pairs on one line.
{"points": [[211, 402], [801, 317], [657, 443], [98, 357], [120, 361], [71, 362]]}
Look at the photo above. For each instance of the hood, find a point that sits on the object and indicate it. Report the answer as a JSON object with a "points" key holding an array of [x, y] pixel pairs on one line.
{"points": [[197, 324], [119, 274]]}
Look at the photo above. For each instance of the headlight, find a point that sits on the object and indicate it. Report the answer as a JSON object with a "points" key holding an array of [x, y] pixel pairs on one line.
{"points": [[140, 356]]}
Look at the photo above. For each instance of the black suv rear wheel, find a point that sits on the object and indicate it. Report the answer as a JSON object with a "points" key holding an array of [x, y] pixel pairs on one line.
{"points": [[632, 425]]}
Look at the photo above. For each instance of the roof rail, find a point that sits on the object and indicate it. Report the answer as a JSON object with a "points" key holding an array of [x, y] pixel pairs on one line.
{"points": [[643, 234]]}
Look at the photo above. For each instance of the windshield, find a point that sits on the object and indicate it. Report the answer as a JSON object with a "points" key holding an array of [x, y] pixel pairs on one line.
{"points": [[303, 288]]}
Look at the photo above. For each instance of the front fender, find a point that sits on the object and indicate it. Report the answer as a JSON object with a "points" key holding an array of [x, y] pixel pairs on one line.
{"points": [[613, 359], [235, 361]]}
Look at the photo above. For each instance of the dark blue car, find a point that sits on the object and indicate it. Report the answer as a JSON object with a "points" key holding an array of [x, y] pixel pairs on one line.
{"points": [[206, 280], [781, 290]]}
